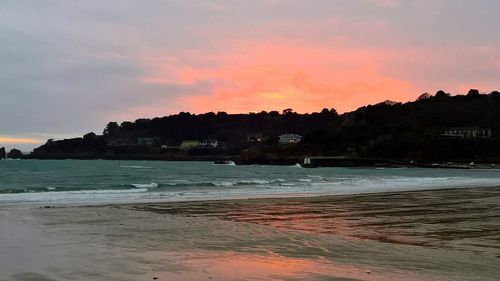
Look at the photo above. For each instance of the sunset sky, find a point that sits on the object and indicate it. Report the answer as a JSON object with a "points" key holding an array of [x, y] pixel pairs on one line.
{"points": [[69, 67]]}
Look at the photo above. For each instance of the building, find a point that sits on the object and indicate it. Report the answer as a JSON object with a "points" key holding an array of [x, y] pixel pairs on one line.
{"points": [[468, 132], [189, 144], [290, 138], [209, 143]]}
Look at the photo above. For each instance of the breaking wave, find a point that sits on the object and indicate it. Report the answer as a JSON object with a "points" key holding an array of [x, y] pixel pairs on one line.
{"points": [[145, 185]]}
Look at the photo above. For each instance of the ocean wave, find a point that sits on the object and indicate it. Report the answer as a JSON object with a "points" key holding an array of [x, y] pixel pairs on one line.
{"points": [[240, 182], [222, 183], [161, 186], [95, 191], [145, 185], [304, 183], [105, 191], [253, 182], [58, 190]]}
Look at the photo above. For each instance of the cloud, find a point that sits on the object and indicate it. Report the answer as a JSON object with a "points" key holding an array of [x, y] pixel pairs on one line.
{"points": [[307, 78], [11, 140], [386, 3], [71, 67], [449, 68]]}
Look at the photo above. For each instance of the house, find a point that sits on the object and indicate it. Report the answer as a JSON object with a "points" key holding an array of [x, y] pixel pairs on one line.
{"points": [[189, 144], [290, 138], [209, 143], [468, 132]]}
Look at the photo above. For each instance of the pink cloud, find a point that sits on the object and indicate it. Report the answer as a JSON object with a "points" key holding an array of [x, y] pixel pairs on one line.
{"points": [[308, 66], [271, 76]]}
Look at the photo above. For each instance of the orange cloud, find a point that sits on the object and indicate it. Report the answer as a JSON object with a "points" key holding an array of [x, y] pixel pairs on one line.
{"points": [[254, 77], [18, 140]]}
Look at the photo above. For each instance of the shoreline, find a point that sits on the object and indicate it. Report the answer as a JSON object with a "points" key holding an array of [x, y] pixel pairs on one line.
{"points": [[265, 199], [413, 235]]}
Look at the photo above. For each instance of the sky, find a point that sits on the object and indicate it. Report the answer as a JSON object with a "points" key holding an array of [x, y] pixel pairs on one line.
{"points": [[70, 67]]}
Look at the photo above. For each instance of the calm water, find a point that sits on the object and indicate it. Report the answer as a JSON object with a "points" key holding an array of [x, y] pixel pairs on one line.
{"points": [[82, 182]]}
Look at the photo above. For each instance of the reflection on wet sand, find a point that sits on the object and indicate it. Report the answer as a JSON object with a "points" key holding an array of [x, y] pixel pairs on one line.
{"points": [[245, 266], [459, 218], [426, 235]]}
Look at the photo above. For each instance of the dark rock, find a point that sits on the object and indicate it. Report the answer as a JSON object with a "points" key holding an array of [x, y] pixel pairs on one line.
{"points": [[2, 152], [15, 154]]}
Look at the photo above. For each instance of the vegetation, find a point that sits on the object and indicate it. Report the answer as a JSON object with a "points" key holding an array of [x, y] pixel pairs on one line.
{"points": [[411, 131]]}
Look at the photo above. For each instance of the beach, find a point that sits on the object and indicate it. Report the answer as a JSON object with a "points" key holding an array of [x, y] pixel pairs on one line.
{"points": [[448, 234]]}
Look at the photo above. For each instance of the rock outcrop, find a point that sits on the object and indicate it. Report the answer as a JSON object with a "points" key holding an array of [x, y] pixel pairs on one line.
{"points": [[15, 154], [2, 152]]}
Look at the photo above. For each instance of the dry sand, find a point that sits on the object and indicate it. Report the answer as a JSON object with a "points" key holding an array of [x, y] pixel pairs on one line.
{"points": [[425, 235]]}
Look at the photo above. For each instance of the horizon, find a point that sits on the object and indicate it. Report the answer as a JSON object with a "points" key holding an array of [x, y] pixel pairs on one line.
{"points": [[69, 68]]}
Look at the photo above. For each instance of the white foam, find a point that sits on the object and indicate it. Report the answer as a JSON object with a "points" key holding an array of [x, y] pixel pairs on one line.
{"points": [[253, 182], [145, 185], [76, 196], [223, 183]]}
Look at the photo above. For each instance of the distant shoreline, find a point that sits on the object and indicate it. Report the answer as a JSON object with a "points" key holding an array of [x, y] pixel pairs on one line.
{"points": [[303, 198], [327, 162]]}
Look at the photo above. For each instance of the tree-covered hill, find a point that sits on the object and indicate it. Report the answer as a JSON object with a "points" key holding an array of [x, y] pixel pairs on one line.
{"points": [[413, 131]]}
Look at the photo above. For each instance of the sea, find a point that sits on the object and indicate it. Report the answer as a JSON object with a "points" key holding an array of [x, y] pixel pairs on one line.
{"points": [[42, 182], [84, 220]]}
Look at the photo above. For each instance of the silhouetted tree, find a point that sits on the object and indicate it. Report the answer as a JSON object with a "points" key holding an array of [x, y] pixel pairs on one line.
{"points": [[89, 136], [473, 93], [111, 129]]}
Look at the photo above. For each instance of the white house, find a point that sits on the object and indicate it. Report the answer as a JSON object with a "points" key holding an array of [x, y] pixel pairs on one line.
{"points": [[290, 138]]}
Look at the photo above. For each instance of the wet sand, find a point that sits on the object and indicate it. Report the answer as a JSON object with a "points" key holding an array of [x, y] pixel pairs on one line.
{"points": [[424, 235]]}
